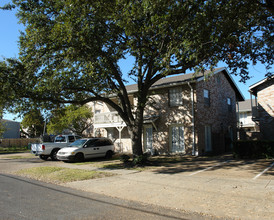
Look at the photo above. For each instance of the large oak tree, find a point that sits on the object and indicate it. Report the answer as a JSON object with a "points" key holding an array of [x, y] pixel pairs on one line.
{"points": [[70, 49]]}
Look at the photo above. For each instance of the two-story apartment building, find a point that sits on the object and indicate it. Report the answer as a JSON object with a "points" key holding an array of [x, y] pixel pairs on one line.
{"points": [[188, 114], [263, 107]]}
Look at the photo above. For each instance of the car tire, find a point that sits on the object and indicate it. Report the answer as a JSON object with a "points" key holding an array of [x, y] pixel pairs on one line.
{"points": [[109, 154], [79, 157], [43, 157], [53, 154]]}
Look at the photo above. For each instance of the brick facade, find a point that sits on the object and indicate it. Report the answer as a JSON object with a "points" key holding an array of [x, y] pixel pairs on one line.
{"points": [[265, 99], [218, 115], [172, 127]]}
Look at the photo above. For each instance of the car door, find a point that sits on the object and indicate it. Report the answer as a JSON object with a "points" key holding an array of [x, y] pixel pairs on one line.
{"points": [[101, 147], [90, 149]]}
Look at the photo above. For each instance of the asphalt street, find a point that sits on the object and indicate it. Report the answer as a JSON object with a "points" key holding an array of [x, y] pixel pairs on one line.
{"points": [[22, 198]]}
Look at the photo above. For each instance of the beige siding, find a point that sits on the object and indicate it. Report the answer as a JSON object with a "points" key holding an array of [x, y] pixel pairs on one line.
{"points": [[265, 98]]}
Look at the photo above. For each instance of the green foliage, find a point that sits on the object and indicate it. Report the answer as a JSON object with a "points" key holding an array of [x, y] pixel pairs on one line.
{"points": [[75, 118], [13, 149], [33, 122], [2, 126], [125, 158], [254, 149], [140, 159], [70, 50]]}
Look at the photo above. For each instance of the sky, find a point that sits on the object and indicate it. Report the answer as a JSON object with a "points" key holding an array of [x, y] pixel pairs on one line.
{"points": [[10, 31]]}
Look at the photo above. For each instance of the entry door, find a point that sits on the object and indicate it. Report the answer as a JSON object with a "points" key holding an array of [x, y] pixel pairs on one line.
{"points": [[231, 137], [148, 139], [177, 139], [208, 145]]}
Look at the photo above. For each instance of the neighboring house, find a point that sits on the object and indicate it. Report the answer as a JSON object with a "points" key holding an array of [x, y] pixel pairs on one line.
{"points": [[245, 116], [12, 129], [187, 114], [263, 106]]}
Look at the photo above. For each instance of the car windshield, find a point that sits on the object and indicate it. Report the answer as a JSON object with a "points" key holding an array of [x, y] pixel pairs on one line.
{"points": [[78, 143]]}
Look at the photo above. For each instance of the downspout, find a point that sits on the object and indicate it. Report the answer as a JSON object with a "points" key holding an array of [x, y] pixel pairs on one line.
{"points": [[238, 119], [193, 120], [94, 130]]}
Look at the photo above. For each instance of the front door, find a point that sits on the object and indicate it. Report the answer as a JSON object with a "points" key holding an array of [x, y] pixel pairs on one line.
{"points": [[208, 146], [177, 139], [148, 138]]}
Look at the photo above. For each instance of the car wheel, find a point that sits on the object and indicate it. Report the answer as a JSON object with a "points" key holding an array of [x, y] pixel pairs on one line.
{"points": [[43, 157], [53, 154], [79, 157], [109, 154]]}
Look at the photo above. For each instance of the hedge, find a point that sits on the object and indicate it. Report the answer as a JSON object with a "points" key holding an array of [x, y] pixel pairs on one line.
{"points": [[253, 149]]}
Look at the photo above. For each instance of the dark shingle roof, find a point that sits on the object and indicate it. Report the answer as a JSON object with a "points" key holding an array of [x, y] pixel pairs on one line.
{"points": [[245, 105], [191, 77], [169, 81]]}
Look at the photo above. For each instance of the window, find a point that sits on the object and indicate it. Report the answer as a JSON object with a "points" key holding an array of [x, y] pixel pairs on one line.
{"points": [[102, 142], [177, 139], [229, 104], [71, 139], [175, 96], [60, 139], [206, 97], [91, 143]]}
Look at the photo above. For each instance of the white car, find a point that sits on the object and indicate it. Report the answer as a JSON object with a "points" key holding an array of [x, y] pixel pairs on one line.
{"points": [[83, 149]]}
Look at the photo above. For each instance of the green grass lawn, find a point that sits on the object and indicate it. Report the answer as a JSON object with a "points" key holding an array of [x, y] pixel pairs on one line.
{"points": [[27, 156], [7, 150], [60, 174]]}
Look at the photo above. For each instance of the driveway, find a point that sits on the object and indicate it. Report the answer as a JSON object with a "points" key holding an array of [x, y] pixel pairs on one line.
{"points": [[216, 187]]}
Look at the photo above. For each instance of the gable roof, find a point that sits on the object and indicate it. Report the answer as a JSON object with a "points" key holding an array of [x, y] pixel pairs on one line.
{"points": [[259, 85], [187, 78]]}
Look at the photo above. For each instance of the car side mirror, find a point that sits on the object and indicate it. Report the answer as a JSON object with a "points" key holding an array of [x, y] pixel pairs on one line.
{"points": [[85, 146]]}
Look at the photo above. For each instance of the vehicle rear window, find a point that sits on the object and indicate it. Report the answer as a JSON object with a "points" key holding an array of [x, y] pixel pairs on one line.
{"points": [[60, 139]]}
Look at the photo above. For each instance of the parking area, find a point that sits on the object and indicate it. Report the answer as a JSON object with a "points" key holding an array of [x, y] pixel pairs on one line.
{"points": [[262, 169], [228, 168], [239, 169]]}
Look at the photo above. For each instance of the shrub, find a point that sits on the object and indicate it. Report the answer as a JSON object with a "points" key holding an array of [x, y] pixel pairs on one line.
{"points": [[254, 149], [141, 159], [125, 158]]}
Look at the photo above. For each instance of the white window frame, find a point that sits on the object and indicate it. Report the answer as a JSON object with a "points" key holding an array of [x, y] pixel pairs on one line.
{"points": [[176, 96], [178, 147], [148, 139]]}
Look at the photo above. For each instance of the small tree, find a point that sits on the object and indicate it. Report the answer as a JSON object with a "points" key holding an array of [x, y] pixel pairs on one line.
{"points": [[33, 123], [2, 127], [74, 118]]}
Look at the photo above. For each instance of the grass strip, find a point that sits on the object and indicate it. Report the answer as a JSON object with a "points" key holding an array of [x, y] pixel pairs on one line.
{"points": [[21, 157], [60, 174], [6, 150]]}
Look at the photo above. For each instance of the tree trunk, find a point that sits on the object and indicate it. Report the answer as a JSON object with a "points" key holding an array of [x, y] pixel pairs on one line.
{"points": [[136, 140], [135, 132]]}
